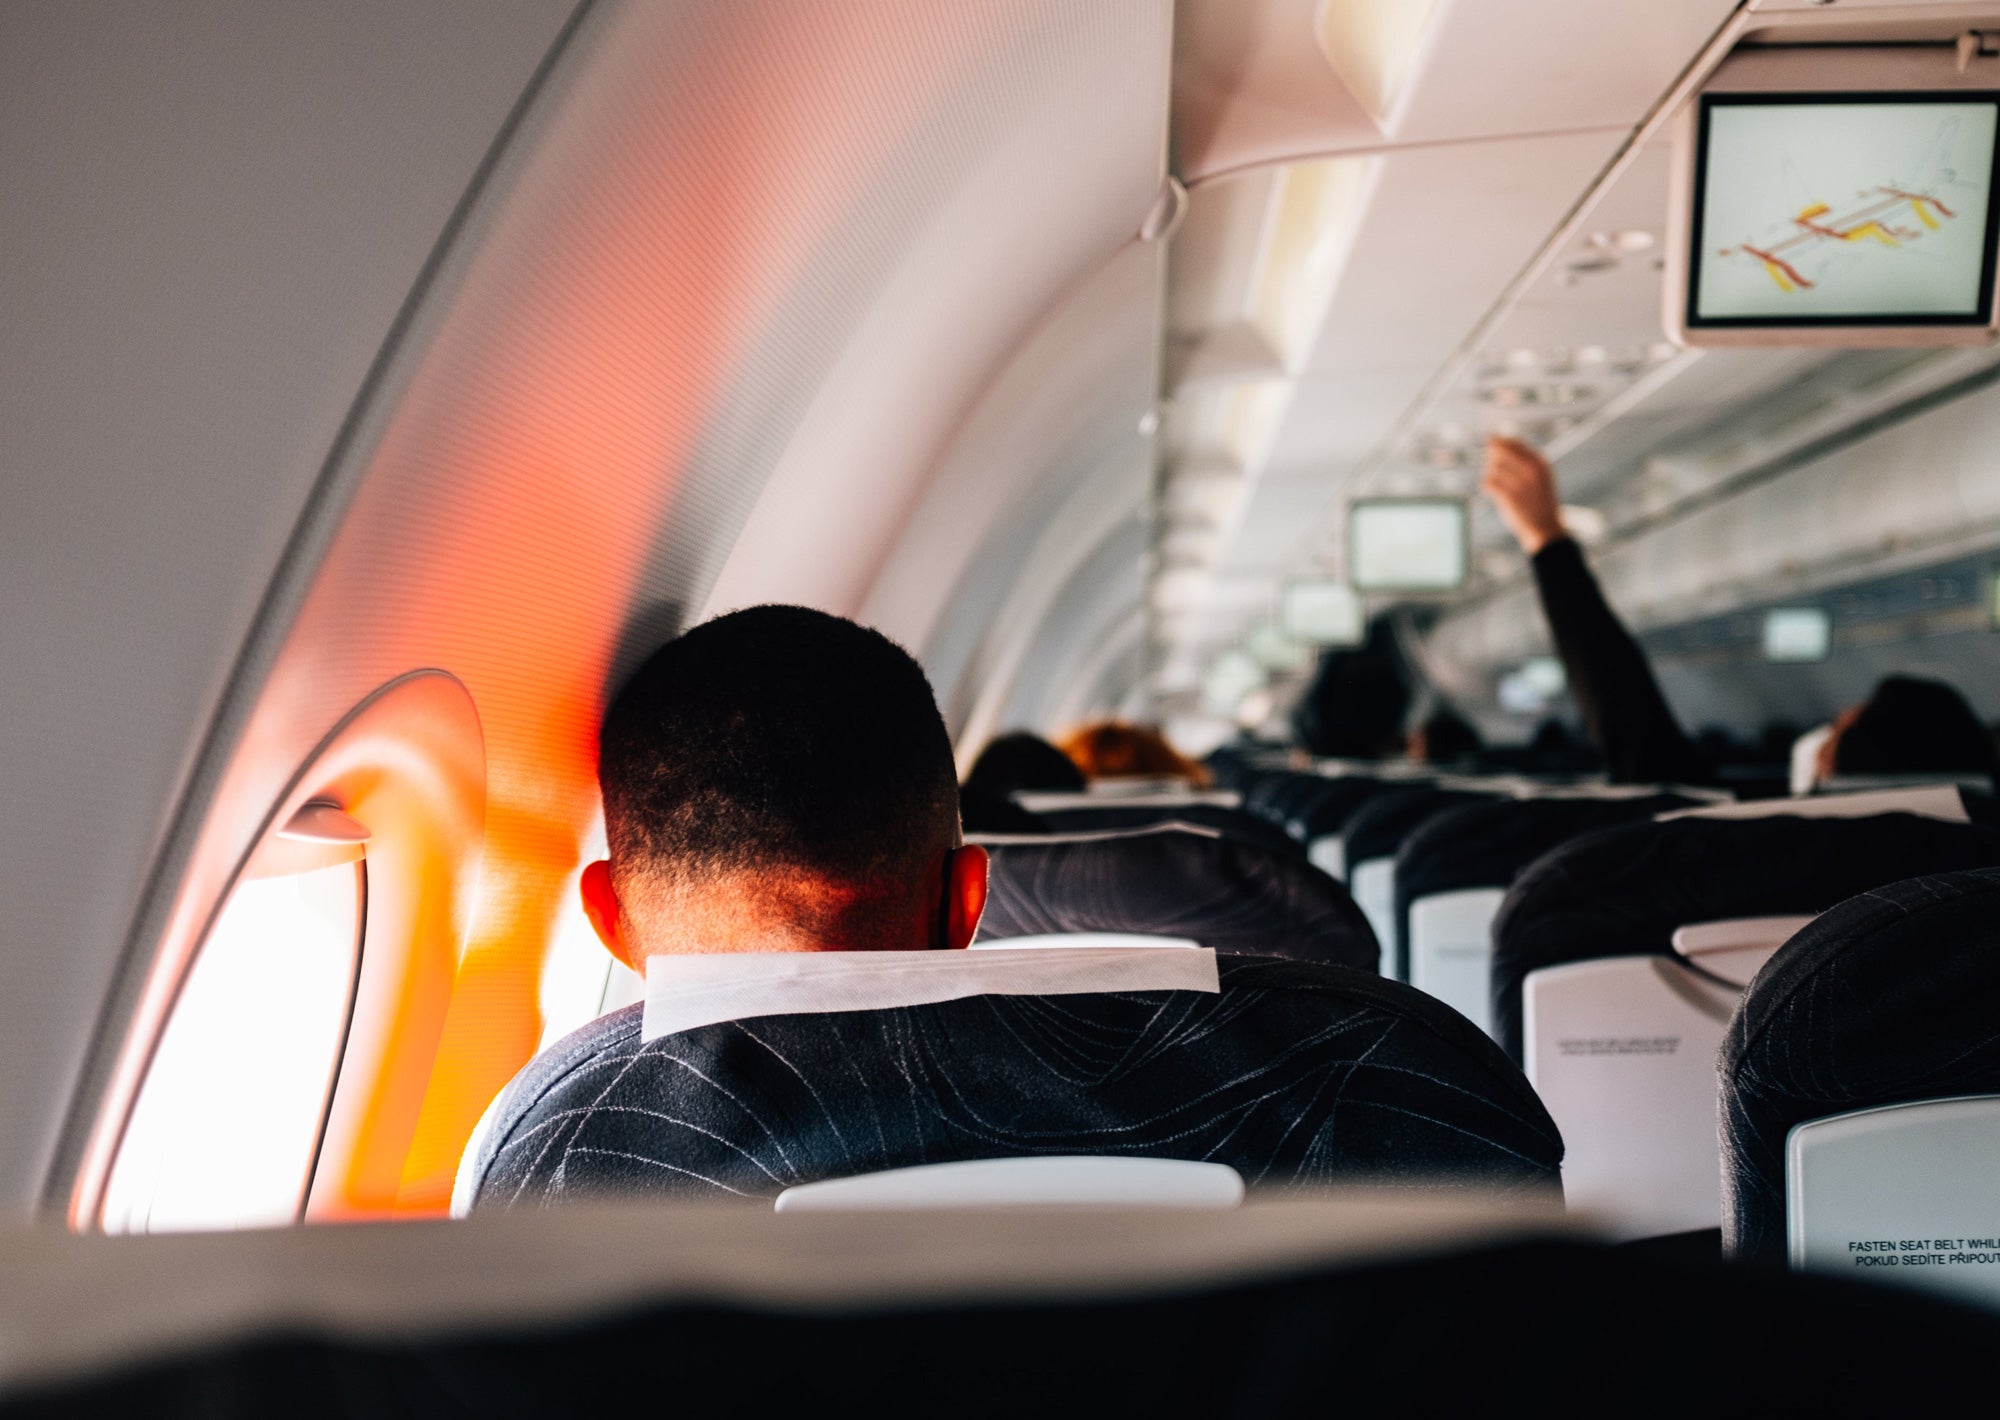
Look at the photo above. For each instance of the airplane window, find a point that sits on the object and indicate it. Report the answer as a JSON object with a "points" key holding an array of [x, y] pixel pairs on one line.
{"points": [[227, 1127]]}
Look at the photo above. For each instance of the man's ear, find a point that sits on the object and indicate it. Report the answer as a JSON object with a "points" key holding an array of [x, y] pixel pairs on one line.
{"points": [[965, 895], [600, 905]]}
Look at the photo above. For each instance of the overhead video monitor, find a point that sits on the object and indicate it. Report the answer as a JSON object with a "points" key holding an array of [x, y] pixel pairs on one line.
{"points": [[1323, 614], [1850, 218], [1797, 633], [1406, 544]]}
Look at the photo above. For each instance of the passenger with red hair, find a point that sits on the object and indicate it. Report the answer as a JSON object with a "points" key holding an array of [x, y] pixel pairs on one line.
{"points": [[1118, 749]]}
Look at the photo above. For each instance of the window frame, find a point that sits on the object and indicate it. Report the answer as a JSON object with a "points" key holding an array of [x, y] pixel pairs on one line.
{"points": [[407, 763]]}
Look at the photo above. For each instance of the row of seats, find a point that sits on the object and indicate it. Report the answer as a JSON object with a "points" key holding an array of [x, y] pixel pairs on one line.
{"points": [[1617, 964], [1298, 1067], [1292, 1073], [1297, 1072], [1620, 958]]}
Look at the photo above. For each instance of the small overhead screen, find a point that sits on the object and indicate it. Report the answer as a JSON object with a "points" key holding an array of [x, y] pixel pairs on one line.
{"points": [[1407, 544], [1323, 614], [1797, 633], [1861, 218]]}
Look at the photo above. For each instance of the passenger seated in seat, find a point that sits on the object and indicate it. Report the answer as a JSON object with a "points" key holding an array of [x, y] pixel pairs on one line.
{"points": [[780, 780], [1009, 764], [1608, 675], [1908, 725], [1444, 737], [1114, 749]]}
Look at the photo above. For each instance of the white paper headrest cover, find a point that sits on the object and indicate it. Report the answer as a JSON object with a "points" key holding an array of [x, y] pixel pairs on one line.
{"points": [[684, 992], [1940, 801]]}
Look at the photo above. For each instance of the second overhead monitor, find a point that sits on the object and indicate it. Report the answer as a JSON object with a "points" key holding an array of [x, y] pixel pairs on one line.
{"points": [[1407, 544], [1797, 633]]}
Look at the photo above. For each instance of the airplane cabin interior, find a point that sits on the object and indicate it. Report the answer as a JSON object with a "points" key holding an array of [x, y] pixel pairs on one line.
{"points": [[1204, 704]]}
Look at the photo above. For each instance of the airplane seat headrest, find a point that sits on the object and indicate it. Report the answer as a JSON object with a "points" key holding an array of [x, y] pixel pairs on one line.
{"points": [[1329, 810], [1232, 822], [1228, 894], [1273, 796], [1890, 996], [1952, 802], [1486, 843], [1294, 1074], [1622, 891], [1381, 825]]}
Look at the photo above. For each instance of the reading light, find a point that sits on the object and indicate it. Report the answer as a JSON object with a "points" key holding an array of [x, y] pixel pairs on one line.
{"points": [[1630, 239]]}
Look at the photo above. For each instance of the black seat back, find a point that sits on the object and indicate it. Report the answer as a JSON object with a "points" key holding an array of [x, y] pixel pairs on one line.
{"points": [[1370, 840], [1293, 1074], [1889, 997], [1485, 844], [1229, 894], [1623, 891], [1231, 823]]}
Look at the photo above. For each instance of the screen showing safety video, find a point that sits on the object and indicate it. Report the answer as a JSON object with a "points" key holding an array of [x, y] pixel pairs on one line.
{"points": [[1407, 544], [1870, 212], [1797, 633]]}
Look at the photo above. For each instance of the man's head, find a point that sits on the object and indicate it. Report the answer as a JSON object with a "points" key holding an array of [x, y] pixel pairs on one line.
{"points": [[779, 779]]}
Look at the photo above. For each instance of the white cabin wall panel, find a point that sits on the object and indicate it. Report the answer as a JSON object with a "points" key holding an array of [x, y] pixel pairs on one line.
{"points": [[213, 212], [1102, 595], [1251, 86], [1094, 515], [1108, 680], [1046, 200], [1531, 66], [705, 223], [1069, 400]]}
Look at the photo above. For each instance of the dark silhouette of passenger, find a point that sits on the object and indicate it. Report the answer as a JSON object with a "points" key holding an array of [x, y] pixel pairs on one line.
{"points": [[1358, 700], [1909, 725], [779, 780], [1444, 737], [1117, 749], [1010, 764]]}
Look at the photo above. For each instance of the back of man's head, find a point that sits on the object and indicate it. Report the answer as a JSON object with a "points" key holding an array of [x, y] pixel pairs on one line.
{"points": [[777, 772]]}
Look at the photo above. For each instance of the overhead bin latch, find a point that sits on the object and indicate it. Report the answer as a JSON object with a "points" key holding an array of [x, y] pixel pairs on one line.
{"points": [[1977, 44], [1167, 211]]}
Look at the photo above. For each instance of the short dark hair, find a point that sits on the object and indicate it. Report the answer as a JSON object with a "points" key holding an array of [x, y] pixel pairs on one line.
{"points": [[1021, 760], [778, 738]]}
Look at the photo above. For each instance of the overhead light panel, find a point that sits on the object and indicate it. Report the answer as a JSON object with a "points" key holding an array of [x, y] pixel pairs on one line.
{"points": [[1271, 648], [1323, 613], [1233, 675]]}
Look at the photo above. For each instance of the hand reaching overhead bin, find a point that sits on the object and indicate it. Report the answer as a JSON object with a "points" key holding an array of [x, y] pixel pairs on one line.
{"points": [[1522, 486], [1609, 679]]}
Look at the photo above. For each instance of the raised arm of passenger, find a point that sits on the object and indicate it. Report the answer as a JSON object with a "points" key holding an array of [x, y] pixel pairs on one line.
{"points": [[1523, 488]]}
